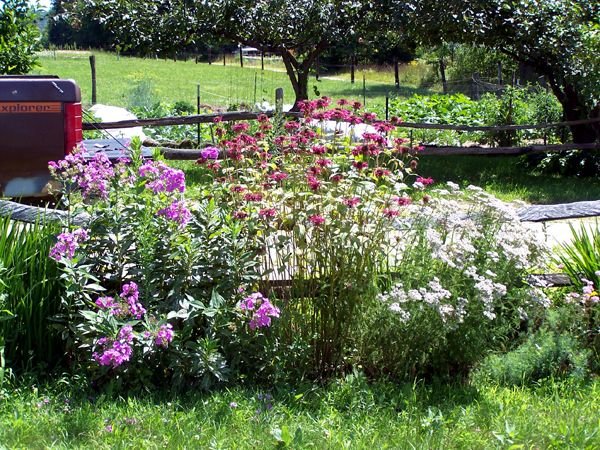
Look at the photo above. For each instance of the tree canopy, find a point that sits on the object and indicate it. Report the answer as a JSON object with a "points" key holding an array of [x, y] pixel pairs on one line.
{"points": [[299, 31], [19, 37], [559, 39]]}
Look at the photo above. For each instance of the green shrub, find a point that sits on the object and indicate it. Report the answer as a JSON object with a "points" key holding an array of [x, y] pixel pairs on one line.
{"points": [[152, 282], [547, 353], [457, 291]]}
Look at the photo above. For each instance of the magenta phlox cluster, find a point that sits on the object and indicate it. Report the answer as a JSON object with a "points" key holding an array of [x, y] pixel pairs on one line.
{"points": [[261, 308], [177, 212], [162, 178], [96, 176], [208, 153], [110, 304], [114, 352], [92, 177], [130, 294], [164, 335], [67, 243]]}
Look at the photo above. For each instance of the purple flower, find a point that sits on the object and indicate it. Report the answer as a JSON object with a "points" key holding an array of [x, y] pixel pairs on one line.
{"points": [[67, 244], [162, 178], [130, 294], [109, 304], [177, 212], [209, 153], [96, 176], [115, 352], [164, 336], [262, 310]]}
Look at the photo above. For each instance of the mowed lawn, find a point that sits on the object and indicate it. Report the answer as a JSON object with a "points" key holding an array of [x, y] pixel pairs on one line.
{"points": [[219, 85]]}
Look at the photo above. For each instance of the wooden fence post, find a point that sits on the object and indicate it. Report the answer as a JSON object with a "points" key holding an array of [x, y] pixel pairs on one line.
{"points": [[279, 100], [93, 67], [198, 109], [364, 90], [241, 58], [500, 73]]}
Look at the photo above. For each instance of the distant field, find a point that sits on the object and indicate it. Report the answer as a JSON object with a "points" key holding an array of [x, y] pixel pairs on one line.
{"points": [[220, 85]]}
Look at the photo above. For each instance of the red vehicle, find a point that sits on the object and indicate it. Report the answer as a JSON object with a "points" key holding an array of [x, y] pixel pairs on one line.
{"points": [[40, 121]]}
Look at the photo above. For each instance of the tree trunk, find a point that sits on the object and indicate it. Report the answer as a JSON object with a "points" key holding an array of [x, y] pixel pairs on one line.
{"points": [[298, 74], [575, 109]]}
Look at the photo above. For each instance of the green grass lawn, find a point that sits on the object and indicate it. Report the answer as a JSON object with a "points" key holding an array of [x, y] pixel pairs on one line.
{"points": [[220, 85], [347, 414]]}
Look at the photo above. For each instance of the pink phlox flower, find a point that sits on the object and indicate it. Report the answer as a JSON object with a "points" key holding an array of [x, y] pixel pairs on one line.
{"points": [[109, 304], [96, 176], [177, 212], [209, 153], [261, 308], [113, 353], [162, 178], [130, 294], [67, 243], [164, 335]]}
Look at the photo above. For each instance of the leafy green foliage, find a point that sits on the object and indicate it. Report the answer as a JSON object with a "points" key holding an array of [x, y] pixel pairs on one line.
{"points": [[457, 293], [580, 257], [29, 288], [19, 37], [513, 107], [555, 38], [556, 350]]}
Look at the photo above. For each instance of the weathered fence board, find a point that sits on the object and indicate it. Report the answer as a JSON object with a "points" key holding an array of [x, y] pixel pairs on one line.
{"points": [[544, 213], [33, 214], [242, 115]]}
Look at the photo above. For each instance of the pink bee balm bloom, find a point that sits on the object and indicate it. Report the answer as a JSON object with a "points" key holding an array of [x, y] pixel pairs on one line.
{"points": [[424, 181], [316, 220]]}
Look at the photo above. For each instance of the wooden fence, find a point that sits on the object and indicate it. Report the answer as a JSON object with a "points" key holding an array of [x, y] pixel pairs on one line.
{"points": [[428, 149]]}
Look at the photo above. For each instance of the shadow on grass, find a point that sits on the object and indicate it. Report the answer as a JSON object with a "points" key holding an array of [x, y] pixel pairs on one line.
{"points": [[378, 90], [508, 178]]}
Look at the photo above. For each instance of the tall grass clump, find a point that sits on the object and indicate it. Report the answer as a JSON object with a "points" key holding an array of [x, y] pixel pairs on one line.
{"points": [[32, 291]]}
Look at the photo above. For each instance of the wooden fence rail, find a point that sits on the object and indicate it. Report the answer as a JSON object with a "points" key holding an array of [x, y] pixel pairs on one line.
{"points": [[242, 115]]}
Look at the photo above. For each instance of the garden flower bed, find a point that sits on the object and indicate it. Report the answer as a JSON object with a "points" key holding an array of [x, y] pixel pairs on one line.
{"points": [[385, 272]]}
